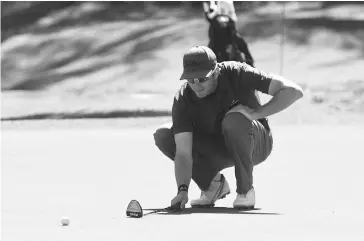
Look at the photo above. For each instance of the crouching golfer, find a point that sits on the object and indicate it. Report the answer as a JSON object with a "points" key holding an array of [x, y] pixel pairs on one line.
{"points": [[218, 122]]}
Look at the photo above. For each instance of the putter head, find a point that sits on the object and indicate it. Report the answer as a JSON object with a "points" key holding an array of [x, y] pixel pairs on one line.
{"points": [[134, 209]]}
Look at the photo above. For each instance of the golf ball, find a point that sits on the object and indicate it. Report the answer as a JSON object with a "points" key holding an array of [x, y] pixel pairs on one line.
{"points": [[65, 221]]}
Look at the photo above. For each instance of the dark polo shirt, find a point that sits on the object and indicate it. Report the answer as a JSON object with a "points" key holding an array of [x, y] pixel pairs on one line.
{"points": [[237, 83]]}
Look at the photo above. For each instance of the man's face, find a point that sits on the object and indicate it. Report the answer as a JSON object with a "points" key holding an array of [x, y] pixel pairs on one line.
{"points": [[206, 87]]}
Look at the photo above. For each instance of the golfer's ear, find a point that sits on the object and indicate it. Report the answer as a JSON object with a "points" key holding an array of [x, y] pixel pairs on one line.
{"points": [[217, 71], [184, 143]]}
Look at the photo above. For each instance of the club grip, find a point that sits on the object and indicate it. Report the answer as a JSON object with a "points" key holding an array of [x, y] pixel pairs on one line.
{"points": [[176, 206]]}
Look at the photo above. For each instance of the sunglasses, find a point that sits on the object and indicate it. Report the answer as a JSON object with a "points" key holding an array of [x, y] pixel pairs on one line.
{"points": [[200, 80]]}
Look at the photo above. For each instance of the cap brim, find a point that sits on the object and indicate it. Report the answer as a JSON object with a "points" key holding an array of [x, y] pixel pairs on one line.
{"points": [[195, 74]]}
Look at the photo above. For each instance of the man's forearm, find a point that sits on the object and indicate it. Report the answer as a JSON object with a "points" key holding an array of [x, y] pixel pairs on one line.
{"points": [[183, 170], [280, 101]]}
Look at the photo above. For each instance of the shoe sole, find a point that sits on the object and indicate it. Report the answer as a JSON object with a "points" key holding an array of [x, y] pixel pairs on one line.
{"points": [[210, 205], [244, 207]]}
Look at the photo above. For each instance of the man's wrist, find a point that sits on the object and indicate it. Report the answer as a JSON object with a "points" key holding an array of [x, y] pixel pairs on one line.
{"points": [[182, 188]]}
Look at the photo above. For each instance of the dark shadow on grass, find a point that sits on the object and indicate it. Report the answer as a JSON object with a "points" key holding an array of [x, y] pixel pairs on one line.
{"points": [[338, 25], [18, 17], [328, 4], [145, 49], [299, 30], [51, 78], [24, 17], [267, 27], [93, 115], [80, 50], [214, 210], [132, 37], [306, 6]]}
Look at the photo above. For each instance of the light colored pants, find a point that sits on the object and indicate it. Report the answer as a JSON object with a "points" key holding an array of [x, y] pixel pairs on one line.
{"points": [[243, 144]]}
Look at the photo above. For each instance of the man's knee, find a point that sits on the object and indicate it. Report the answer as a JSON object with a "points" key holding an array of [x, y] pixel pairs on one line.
{"points": [[164, 140], [162, 135], [236, 122]]}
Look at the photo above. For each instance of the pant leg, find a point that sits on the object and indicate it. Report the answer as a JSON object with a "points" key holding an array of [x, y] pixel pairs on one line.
{"points": [[249, 144], [209, 155]]}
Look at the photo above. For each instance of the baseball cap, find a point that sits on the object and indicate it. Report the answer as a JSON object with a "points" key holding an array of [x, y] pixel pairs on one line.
{"points": [[198, 62]]}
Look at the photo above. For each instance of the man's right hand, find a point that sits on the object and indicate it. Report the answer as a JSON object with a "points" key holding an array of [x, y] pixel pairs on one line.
{"points": [[182, 198]]}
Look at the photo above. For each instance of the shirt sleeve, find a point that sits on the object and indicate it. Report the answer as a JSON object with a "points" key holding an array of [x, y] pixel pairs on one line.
{"points": [[247, 76], [181, 118]]}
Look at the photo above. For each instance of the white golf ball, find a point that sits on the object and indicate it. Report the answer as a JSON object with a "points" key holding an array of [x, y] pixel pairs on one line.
{"points": [[65, 221]]}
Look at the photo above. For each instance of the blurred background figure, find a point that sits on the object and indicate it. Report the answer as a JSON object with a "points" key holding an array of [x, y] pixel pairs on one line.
{"points": [[214, 8], [224, 39]]}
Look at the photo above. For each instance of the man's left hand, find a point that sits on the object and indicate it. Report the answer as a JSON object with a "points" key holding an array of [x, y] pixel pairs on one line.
{"points": [[245, 110]]}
